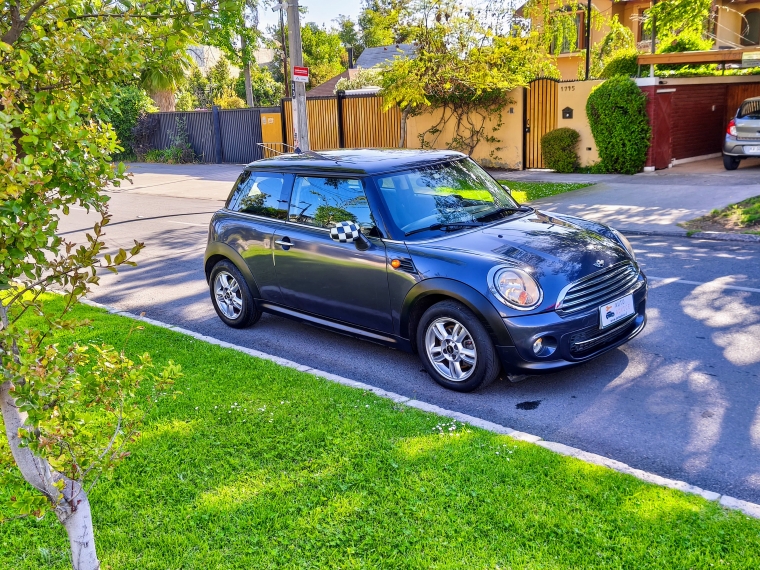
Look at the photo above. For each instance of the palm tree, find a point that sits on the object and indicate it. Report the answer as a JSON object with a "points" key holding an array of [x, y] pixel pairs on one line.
{"points": [[161, 78]]}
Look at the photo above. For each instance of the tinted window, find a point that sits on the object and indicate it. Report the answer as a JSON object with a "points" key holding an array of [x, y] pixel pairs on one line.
{"points": [[259, 193], [323, 202]]}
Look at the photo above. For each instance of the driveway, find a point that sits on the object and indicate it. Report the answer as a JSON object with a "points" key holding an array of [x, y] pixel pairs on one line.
{"points": [[650, 202], [681, 400]]}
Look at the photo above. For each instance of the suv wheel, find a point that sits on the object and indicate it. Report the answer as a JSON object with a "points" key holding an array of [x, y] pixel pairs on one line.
{"points": [[731, 162], [231, 296], [456, 348]]}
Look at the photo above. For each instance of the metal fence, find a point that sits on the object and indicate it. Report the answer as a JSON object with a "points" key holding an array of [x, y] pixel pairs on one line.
{"points": [[217, 136]]}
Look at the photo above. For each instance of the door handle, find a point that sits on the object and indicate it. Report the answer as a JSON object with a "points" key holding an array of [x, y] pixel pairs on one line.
{"points": [[284, 243]]}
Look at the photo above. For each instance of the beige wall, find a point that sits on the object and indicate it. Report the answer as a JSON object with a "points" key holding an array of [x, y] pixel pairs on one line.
{"points": [[505, 154], [730, 23], [574, 95]]}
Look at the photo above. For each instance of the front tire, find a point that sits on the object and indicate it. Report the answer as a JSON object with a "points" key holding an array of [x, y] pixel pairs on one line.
{"points": [[231, 296], [731, 162], [455, 348]]}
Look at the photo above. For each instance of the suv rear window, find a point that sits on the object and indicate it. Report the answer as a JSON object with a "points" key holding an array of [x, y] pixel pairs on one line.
{"points": [[259, 193]]}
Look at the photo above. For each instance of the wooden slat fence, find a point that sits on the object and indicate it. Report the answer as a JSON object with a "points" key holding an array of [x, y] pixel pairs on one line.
{"points": [[363, 122], [540, 118]]}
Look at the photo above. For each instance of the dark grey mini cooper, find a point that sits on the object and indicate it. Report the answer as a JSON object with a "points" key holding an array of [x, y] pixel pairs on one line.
{"points": [[422, 251]]}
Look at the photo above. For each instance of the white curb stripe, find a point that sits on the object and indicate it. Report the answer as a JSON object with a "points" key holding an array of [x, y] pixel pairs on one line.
{"points": [[750, 509]]}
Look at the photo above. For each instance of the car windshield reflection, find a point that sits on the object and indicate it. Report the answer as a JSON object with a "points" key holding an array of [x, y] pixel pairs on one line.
{"points": [[444, 197]]}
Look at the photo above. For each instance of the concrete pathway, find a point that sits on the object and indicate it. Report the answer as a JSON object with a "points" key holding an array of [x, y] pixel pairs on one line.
{"points": [[651, 202]]}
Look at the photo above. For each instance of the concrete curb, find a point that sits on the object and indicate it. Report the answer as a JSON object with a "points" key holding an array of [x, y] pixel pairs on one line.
{"points": [[716, 236], [749, 509]]}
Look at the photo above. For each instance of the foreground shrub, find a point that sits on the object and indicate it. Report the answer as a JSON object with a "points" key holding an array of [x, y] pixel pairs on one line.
{"points": [[616, 111], [559, 149]]}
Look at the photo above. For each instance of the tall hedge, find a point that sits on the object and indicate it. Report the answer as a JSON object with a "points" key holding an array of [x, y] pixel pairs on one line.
{"points": [[559, 149], [131, 102], [616, 111]]}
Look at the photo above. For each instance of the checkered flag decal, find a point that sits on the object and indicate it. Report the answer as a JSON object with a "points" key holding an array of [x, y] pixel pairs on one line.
{"points": [[345, 232]]}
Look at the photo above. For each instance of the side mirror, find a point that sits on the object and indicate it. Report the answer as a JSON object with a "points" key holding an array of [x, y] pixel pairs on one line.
{"points": [[349, 232]]}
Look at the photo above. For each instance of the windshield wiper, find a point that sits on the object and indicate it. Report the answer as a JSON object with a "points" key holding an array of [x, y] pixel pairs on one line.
{"points": [[444, 226], [498, 213]]}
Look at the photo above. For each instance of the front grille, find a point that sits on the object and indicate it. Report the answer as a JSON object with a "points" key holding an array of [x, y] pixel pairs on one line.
{"points": [[597, 289], [584, 341]]}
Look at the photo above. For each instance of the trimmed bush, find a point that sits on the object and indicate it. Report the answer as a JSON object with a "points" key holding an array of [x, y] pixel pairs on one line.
{"points": [[559, 149], [616, 111], [624, 62]]}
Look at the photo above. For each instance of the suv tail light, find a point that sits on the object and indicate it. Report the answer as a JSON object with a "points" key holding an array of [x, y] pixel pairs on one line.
{"points": [[731, 130]]}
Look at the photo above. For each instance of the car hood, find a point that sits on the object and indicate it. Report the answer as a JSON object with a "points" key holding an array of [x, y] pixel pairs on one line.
{"points": [[548, 245]]}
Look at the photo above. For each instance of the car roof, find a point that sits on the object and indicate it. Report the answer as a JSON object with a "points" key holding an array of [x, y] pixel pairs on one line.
{"points": [[355, 161]]}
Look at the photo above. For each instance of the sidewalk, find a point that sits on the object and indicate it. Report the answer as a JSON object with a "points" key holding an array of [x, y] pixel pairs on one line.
{"points": [[649, 202]]}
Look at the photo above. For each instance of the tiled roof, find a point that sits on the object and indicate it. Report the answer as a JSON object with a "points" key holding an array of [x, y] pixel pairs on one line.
{"points": [[371, 57]]}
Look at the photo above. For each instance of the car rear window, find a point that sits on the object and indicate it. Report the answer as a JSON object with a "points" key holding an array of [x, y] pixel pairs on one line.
{"points": [[749, 110]]}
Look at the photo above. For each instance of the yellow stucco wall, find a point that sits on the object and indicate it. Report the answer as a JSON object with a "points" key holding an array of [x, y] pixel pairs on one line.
{"points": [[271, 127], [505, 154], [574, 95], [730, 24]]}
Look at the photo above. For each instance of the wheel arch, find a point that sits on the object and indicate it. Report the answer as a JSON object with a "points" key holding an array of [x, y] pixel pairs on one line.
{"points": [[216, 252], [431, 291]]}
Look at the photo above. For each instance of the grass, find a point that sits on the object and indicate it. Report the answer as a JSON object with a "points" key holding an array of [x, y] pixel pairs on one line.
{"points": [[743, 217], [259, 466], [524, 191]]}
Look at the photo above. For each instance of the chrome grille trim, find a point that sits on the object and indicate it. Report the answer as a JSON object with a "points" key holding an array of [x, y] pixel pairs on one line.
{"points": [[598, 288], [583, 345]]}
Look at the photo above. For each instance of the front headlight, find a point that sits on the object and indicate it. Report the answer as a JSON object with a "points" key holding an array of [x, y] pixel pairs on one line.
{"points": [[515, 288], [625, 243]]}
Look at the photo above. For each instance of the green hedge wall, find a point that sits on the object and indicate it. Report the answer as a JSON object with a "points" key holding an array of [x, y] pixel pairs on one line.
{"points": [[559, 149], [616, 111]]}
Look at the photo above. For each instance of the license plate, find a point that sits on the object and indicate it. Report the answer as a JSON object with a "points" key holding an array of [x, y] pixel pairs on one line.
{"points": [[752, 150], [615, 311]]}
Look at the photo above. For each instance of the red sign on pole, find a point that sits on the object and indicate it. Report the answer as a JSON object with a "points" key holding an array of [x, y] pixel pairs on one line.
{"points": [[300, 74]]}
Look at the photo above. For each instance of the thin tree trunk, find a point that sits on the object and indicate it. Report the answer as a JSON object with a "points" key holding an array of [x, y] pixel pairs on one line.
{"points": [[164, 99], [74, 509], [247, 74], [404, 117]]}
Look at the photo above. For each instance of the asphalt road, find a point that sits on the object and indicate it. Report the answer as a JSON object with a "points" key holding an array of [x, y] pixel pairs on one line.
{"points": [[681, 400]]}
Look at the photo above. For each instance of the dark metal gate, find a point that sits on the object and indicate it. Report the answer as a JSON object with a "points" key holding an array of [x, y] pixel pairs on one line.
{"points": [[540, 117], [240, 131]]}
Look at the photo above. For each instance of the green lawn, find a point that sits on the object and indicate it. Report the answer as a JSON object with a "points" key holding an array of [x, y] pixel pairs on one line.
{"points": [[524, 191], [257, 466], [743, 217]]}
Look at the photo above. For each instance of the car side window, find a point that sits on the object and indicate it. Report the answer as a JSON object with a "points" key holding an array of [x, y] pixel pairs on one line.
{"points": [[259, 193], [323, 202]]}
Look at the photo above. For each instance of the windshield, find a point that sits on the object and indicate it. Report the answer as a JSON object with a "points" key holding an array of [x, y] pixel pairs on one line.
{"points": [[444, 197]]}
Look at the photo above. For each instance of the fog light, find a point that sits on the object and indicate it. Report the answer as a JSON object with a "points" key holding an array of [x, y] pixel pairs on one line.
{"points": [[538, 346]]}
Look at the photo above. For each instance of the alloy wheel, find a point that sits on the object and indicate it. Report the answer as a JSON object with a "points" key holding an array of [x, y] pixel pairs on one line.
{"points": [[229, 297], [451, 349]]}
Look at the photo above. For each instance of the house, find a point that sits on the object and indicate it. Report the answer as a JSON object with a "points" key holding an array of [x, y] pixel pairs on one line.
{"points": [[370, 57], [737, 25]]}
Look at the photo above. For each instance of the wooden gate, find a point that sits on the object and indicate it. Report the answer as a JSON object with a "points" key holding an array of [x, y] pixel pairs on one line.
{"points": [[540, 117]]}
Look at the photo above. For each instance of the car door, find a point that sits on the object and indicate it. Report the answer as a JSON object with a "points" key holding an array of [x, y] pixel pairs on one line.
{"points": [[328, 278], [257, 206]]}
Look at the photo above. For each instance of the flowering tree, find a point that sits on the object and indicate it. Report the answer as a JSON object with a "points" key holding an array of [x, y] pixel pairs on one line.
{"points": [[68, 411]]}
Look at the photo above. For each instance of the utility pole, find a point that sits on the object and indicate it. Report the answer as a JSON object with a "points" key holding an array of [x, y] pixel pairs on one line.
{"points": [[300, 126]]}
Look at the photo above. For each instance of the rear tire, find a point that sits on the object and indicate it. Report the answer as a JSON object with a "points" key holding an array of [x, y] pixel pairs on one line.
{"points": [[731, 162], [455, 348], [231, 296]]}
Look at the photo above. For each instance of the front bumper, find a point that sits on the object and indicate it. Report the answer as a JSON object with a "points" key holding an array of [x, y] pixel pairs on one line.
{"points": [[578, 338]]}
